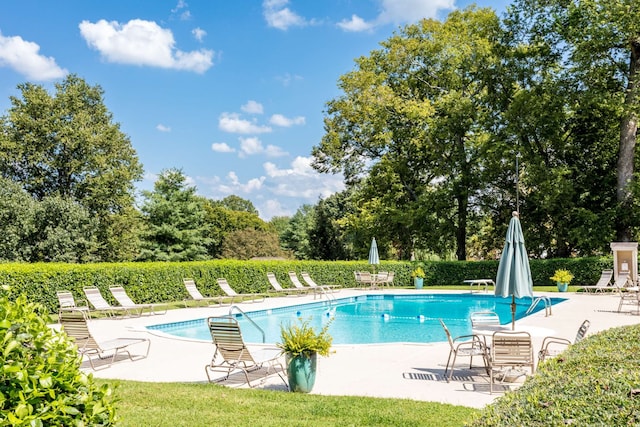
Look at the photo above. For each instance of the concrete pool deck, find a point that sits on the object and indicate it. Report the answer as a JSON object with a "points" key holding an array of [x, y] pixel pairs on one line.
{"points": [[403, 370]]}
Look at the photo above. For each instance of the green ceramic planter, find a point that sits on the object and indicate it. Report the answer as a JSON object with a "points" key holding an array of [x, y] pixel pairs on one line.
{"points": [[417, 282], [562, 287], [301, 371]]}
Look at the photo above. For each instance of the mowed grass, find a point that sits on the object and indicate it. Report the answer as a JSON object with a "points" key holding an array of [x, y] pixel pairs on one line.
{"points": [[182, 404]]}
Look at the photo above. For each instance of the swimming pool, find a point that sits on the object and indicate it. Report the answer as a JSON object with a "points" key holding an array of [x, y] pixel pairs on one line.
{"points": [[369, 319]]}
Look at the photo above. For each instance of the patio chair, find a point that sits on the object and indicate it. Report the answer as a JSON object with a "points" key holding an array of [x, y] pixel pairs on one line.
{"points": [[480, 319], [309, 281], [512, 350], [196, 296], [549, 348], [100, 304], [273, 281], [124, 300], [74, 324], [68, 303], [603, 283], [232, 354], [464, 346], [227, 289]]}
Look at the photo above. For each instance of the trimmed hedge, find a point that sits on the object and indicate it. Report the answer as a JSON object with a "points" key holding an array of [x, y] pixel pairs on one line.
{"points": [[594, 382], [155, 282]]}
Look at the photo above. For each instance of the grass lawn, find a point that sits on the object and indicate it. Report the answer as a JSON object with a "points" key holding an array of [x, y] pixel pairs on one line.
{"points": [[177, 404]]}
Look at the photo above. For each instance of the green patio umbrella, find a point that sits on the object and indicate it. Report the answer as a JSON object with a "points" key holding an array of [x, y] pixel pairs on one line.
{"points": [[514, 274], [374, 259]]}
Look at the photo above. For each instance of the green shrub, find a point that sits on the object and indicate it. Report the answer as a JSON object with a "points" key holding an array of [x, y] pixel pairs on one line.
{"points": [[40, 378], [157, 282], [594, 382]]}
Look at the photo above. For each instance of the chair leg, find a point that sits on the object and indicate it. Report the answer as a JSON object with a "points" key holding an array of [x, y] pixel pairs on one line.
{"points": [[455, 355], [447, 367]]}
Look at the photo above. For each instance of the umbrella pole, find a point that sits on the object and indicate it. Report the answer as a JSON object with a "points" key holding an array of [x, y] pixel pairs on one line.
{"points": [[513, 312]]}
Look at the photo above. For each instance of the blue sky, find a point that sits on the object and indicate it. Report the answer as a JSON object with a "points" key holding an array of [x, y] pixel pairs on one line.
{"points": [[232, 92]]}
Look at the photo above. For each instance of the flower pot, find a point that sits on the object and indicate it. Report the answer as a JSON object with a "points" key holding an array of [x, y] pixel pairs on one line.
{"points": [[417, 282], [562, 287], [301, 371]]}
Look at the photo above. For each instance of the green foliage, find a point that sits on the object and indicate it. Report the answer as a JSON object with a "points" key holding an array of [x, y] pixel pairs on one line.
{"points": [[302, 339], [249, 243], [157, 282], [594, 382], [562, 276], [175, 221], [418, 272], [197, 404], [66, 146], [41, 381]]}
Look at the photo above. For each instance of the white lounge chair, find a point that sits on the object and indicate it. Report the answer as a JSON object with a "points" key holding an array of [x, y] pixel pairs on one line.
{"points": [[74, 324], [309, 281], [124, 300], [227, 289], [195, 294], [232, 354], [68, 303], [279, 289], [100, 304], [603, 283]]}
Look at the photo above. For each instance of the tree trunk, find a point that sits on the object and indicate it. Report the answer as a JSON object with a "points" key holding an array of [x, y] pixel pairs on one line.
{"points": [[625, 166], [461, 231]]}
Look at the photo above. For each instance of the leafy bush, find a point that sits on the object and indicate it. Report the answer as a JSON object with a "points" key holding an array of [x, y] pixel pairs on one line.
{"points": [[156, 282], [40, 378], [302, 339], [594, 382]]}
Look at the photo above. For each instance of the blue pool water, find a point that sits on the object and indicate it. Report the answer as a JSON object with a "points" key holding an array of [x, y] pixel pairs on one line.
{"points": [[369, 319]]}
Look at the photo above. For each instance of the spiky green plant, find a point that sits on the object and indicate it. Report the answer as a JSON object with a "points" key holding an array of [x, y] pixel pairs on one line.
{"points": [[302, 339]]}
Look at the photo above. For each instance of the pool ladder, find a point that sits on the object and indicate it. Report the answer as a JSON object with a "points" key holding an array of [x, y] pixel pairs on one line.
{"points": [[238, 309], [547, 305], [326, 292]]}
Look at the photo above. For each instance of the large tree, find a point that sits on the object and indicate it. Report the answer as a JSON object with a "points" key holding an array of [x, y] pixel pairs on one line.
{"points": [[174, 220], [410, 128], [67, 145], [593, 47]]}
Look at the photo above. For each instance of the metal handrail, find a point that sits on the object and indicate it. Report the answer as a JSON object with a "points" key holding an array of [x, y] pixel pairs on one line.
{"points": [[235, 307], [326, 293], [547, 305]]}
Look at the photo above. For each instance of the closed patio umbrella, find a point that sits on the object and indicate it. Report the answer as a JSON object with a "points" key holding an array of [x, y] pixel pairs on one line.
{"points": [[514, 274], [374, 259]]}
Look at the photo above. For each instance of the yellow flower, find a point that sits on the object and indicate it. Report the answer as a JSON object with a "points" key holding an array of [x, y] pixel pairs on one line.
{"points": [[562, 276]]}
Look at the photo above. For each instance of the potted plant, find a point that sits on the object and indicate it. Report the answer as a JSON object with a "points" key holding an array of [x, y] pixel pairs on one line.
{"points": [[302, 344], [418, 277], [562, 279]]}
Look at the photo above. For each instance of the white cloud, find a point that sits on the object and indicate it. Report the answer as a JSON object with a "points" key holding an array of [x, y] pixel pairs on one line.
{"points": [[198, 33], [184, 15], [24, 57], [288, 78], [163, 128], [142, 42], [234, 186], [252, 107], [356, 24], [281, 17], [232, 123], [271, 208], [302, 181], [398, 12], [253, 146], [222, 147], [280, 120]]}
